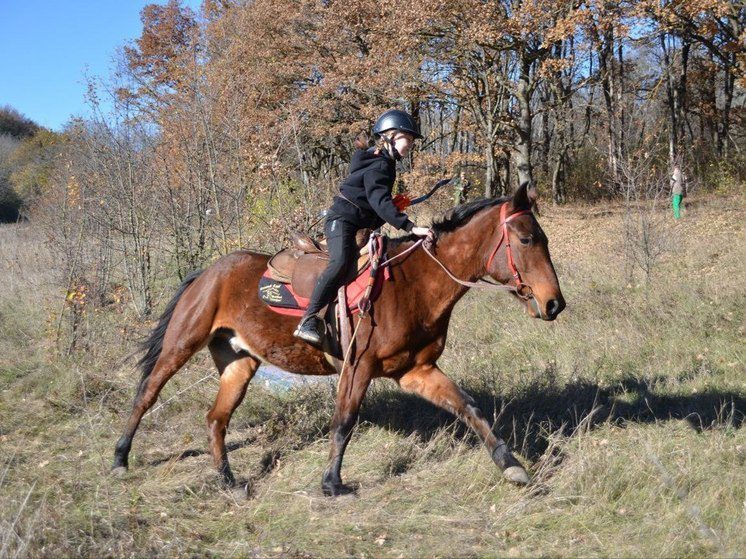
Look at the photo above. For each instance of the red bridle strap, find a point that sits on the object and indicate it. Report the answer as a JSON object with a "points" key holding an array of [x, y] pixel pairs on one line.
{"points": [[504, 219]]}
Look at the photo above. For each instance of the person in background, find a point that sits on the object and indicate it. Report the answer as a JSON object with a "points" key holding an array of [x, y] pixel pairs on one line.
{"points": [[364, 202], [678, 190]]}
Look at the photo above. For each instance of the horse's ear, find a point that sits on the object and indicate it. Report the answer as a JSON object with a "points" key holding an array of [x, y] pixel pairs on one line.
{"points": [[533, 196], [524, 197]]}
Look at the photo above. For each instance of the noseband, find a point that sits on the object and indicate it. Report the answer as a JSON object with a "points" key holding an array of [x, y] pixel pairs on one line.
{"points": [[522, 290]]}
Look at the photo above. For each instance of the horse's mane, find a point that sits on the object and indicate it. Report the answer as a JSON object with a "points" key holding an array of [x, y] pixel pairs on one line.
{"points": [[459, 216]]}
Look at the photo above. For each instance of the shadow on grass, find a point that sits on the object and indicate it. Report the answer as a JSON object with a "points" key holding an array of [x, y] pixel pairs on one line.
{"points": [[193, 452], [526, 419]]}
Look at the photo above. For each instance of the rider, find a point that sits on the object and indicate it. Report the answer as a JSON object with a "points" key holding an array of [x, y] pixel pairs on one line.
{"points": [[364, 202]]}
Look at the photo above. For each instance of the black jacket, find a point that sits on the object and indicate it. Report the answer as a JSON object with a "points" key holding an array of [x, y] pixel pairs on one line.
{"points": [[365, 195]]}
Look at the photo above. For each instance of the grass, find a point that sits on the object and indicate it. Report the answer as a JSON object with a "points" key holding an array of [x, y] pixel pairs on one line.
{"points": [[628, 410]]}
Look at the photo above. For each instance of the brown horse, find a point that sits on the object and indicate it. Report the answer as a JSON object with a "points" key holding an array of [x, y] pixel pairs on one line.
{"points": [[402, 339]]}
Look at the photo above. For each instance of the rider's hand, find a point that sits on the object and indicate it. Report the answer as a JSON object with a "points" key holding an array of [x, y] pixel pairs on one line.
{"points": [[421, 231]]}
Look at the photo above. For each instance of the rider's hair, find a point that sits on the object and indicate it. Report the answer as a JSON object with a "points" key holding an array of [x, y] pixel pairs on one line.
{"points": [[362, 141]]}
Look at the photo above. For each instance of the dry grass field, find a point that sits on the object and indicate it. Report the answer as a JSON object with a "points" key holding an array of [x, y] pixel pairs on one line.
{"points": [[628, 410]]}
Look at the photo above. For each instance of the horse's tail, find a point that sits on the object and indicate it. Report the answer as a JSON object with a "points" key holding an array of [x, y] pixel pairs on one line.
{"points": [[153, 344]]}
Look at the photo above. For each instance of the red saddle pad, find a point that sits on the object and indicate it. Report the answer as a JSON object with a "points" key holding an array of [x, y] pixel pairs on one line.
{"points": [[281, 298]]}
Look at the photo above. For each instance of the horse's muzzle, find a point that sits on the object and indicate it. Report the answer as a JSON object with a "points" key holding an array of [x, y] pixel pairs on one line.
{"points": [[550, 311]]}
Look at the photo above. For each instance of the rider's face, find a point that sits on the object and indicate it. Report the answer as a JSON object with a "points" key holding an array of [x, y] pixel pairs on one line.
{"points": [[403, 142]]}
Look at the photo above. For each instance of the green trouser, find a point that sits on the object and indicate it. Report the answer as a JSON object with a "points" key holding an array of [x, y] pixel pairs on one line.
{"points": [[677, 198]]}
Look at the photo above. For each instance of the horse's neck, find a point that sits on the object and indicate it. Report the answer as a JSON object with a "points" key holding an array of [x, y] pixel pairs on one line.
{"points": [[462, 253]]}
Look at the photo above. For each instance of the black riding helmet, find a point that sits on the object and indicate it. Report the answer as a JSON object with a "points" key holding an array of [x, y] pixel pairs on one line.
{"points": [[396, 120]]}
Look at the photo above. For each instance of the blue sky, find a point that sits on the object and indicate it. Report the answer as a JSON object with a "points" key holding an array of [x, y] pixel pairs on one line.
{"points": [[47, 46]]}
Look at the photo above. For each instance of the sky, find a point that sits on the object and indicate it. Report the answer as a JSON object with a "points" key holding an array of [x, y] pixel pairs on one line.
{"points": [[48, 46]]}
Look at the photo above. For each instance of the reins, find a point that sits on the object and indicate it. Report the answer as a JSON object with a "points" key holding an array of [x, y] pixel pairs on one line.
{"points": [[520, 289], [402, 253], [479, 284]]}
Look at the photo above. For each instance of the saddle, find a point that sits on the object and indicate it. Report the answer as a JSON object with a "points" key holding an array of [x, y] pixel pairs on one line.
{"points": [[301, 264], [287, 284]]}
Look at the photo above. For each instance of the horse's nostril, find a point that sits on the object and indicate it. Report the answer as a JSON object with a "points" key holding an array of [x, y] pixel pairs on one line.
{"points": [[553, 308]]}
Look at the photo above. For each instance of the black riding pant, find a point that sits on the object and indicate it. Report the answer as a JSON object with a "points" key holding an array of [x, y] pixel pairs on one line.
{"points": [[340, 240]]}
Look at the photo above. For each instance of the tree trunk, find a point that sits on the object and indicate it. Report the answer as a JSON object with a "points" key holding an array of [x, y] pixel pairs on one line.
{"points": [[489, 158], [558, 173], [455, 141], [608, 85], [724, 136], [546, 133], [621, 143], [675, 95], [523, 149]]}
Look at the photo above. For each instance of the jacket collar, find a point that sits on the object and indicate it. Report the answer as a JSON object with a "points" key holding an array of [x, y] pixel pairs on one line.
{"points": [[385, 154]]}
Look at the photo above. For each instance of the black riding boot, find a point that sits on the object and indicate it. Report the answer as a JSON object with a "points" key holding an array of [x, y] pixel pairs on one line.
{"points": [[310, 329], [340, 240]]}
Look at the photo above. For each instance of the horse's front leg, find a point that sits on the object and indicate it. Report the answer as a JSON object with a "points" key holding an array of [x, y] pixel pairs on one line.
{"points": [[429, 382], [350, 393]]}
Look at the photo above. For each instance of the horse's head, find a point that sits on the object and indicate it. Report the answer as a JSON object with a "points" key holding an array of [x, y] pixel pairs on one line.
{"points": [[519, 256]]}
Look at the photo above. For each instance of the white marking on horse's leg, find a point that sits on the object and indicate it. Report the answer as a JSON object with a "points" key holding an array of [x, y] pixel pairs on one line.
{"points": [[239, 345]]}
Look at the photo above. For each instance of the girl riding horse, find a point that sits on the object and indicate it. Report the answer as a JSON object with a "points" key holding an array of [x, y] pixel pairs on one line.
{"points": [[364, 202]]}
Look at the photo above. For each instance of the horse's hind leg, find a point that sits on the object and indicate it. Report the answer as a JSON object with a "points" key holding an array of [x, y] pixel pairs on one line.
{"points": [[430, 383], [236, 370], [171, 359]]}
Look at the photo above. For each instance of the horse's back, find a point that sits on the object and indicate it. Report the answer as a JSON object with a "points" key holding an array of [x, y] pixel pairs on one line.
{"points": [[233, 271], [239, 261]]}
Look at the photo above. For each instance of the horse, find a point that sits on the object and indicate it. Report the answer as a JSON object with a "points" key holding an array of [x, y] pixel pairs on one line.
{"points": [[402, 338]]}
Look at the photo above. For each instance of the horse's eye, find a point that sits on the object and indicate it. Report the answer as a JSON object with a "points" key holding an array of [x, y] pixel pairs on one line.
{"points": [[526, 240]]}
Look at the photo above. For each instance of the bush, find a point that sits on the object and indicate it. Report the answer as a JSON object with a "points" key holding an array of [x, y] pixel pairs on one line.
{"points": [[10, 205]]}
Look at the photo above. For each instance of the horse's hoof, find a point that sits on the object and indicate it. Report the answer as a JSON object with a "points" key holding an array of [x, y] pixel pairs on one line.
{"points": [[228, 482], [331, 489], [336, 489], [517, 475], [119, 471], [240, 492]]}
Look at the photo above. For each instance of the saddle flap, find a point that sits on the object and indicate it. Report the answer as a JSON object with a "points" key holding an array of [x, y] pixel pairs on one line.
{"points": [[282, 264], [291, 298], [307, 270], [301, 264]]}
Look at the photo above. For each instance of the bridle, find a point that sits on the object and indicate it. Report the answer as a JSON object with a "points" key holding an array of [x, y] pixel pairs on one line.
{"points": [[519, 285], [520, 289]]}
